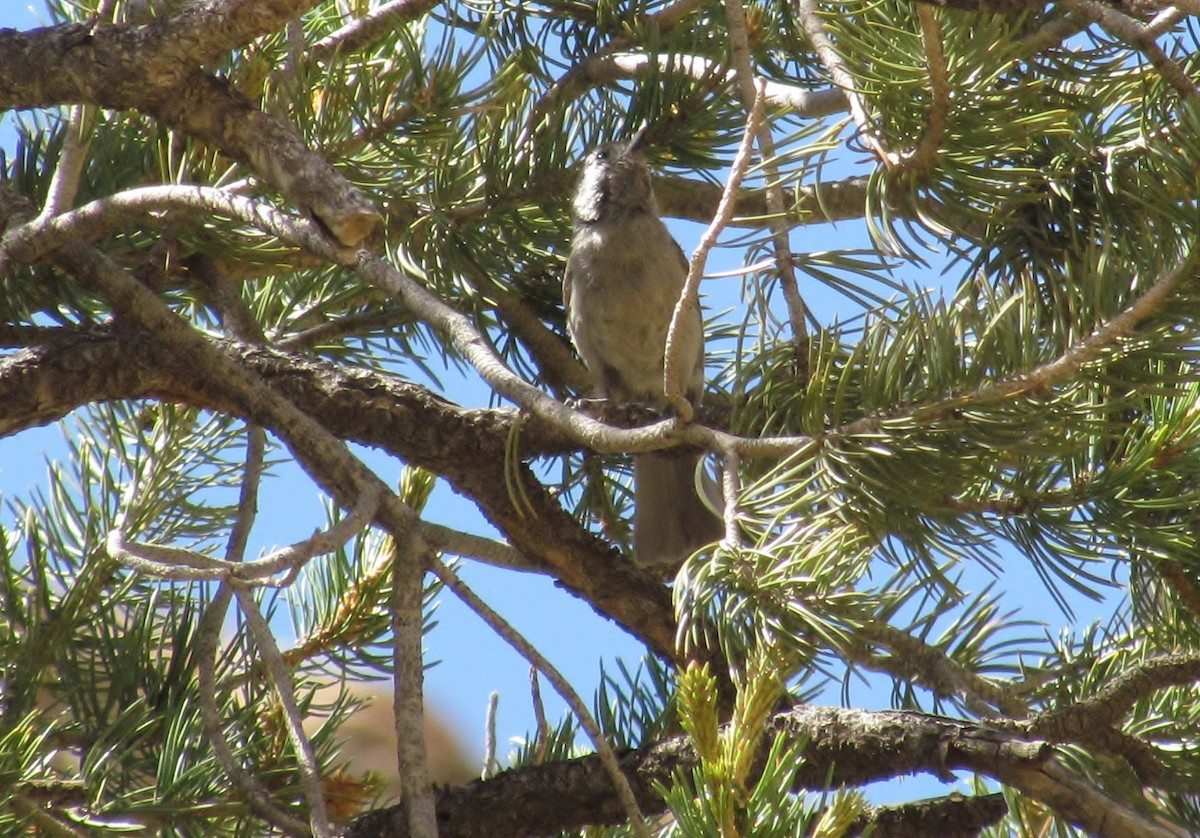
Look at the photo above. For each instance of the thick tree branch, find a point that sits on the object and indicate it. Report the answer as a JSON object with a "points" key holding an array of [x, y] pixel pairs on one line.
{"points": [[844, 747], [466, 447], [155, 69], [953, 816], [211, 110]]}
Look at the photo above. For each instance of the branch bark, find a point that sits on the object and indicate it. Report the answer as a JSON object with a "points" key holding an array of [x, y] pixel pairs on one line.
{"points": [[155, 68], [466, 447], [845, 747]]}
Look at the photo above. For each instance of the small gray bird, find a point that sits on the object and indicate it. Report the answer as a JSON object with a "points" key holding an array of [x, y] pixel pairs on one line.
{"points": [[623, 279]]}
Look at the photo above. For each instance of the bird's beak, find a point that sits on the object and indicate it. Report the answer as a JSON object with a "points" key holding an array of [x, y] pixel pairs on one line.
{"points": [[639, 138]]}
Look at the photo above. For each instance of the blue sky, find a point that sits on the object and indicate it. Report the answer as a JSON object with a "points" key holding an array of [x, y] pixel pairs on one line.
{"points": [[473, 661]]}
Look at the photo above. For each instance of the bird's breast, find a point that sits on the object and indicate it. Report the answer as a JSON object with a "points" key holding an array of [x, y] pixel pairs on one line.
{"points": [[624, 282]]}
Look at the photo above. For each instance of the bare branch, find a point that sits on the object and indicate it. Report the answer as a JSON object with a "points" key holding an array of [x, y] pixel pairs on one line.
{"points": [[1138, 36], [673, 371], [739, 41], [175, 563], [409, 558], [810, 18], [34, 240], [921, 159], [375, 24], [604, 68], [281, 679], [208, 639], [561, 685], [71, 161]]}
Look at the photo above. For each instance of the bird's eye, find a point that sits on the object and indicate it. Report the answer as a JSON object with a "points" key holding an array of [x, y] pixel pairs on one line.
{"points": [[601, 154]]}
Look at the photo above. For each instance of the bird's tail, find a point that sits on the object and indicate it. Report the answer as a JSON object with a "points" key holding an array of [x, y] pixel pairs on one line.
{"points": [[670, 521]]}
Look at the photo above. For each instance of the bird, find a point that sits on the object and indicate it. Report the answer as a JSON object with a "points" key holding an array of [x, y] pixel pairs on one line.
{"points": [[624, 276]]}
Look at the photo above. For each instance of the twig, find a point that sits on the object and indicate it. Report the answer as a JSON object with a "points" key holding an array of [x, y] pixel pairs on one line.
{"points": [[348, 326], [281, 679], [542, 742], [1117, 698], [72, 160], [913, 659], [470, 546], [923, 156], [208, 635], [563, 687], [673, 369], [247, 508], [668, 17], [163, 562], [810, 20], [1094, 720], [489, 736], [739, 40], [34, 240], [176, 563], [410, 556], [369, 28], [1050, 34], [731, 487], [1137, 35], [1173, 14], [1086, 350]]}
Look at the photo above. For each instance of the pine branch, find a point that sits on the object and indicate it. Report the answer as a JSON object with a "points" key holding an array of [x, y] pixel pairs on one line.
{"points": [[1140, 37], [844, 747], [372, 26], [141, 68], [912, 659], [1093, 722], [467, 447], [607, 67], [954, 816]]}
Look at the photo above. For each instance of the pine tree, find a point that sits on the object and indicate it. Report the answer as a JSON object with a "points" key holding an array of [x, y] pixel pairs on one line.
{"points": [[239, 235]]}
